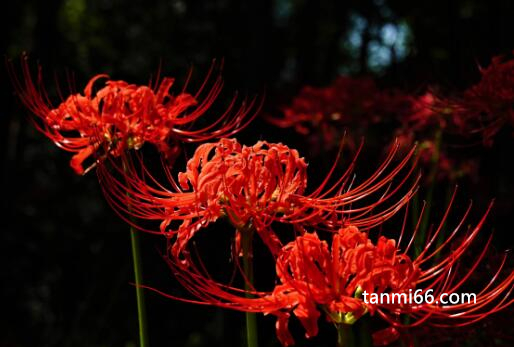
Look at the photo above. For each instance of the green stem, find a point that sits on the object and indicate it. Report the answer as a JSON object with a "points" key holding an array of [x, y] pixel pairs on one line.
{"points": [[251, 318], [140, 295], [432, 179], [365, 337], [138, 279], [344, 335]]}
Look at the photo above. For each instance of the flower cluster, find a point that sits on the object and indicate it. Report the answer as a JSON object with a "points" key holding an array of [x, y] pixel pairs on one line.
{"points": [[255, 186], [327, 243], [322, 114]]}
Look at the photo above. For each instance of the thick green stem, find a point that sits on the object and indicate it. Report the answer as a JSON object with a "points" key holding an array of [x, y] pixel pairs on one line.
{"points": [[251, 318], [140, 295], [364, 336], [344, 335]]}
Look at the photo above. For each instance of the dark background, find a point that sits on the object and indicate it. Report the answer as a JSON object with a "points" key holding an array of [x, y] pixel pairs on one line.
{"points": [[66, 263]]}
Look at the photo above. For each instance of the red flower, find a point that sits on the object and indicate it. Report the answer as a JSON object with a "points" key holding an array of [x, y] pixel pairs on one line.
{"points": [[256, 186], [223, 179], [331, 279], [121, 116], [427, 111], [314, 276]]}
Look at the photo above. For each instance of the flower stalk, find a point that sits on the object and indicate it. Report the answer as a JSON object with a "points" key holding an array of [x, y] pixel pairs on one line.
{"points": [[140, 295], [432, 178], [138, 279], [251, 318], [345, 336]]}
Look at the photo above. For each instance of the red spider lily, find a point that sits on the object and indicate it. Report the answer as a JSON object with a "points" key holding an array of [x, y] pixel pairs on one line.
{"points": [[256, 186], [427, 111], [487, 106], [222, 179], [121, 116], [355, 102], [313, 275], [315, 278]]}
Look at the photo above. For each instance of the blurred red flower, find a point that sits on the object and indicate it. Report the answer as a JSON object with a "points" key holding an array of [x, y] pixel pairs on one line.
{"points": [[488, 105], [354, 102]]}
